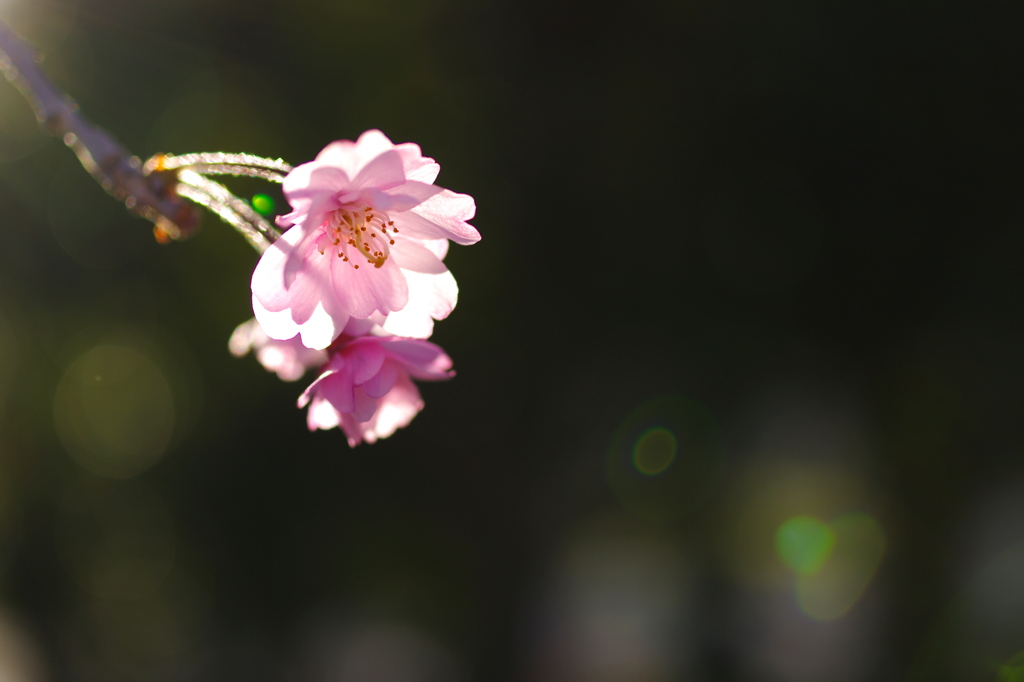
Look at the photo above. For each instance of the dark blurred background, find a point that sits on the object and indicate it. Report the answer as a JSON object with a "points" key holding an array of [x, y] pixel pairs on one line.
{"points": [[739, 354]]}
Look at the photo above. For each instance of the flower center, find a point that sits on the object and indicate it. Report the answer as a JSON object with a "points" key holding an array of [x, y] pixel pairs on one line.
{"points": [[355, 233]]}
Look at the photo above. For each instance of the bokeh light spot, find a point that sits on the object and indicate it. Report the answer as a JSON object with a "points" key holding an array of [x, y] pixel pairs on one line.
{"points": [[804, 544], [1013, 669], [114, 410], [665, 458], [263, 204], [654, 451], [832, 591]]}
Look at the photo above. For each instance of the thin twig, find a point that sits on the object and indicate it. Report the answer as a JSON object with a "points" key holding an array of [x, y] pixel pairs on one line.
{"points": [[234, 211], [169, 161]]}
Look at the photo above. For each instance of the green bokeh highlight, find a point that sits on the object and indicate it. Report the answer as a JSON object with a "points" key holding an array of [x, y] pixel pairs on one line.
{"points": [[831, 591], [654, 451], [664, 458], [804, 544], [263, 204], [1012, 670]]}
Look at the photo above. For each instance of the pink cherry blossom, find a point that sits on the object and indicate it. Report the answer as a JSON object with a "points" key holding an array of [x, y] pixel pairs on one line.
{"points": [[367, 233], [366, 387], [289, 359]]}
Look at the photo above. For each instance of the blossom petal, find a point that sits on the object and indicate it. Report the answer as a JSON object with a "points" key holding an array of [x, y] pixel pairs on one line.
{"points": [[337, 390], [397, 408], [443, 215], [365, 359], [359, 327], [365, 405], [314, 387], [368, 385], [421, 359], [382, 381], [245, 336], [276, 323], [372, 144], [287, 259], [384, 172], [410, 255], [431, 297], [438, 247], [417, 167], [407, 195], [322, 415], [394, 201], [316, 332], [355, 432], [310, 190], [369, 289], [344, 154]]}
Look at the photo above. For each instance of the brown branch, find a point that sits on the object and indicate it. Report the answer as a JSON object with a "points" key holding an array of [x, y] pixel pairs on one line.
{"points": [[120, 173]]}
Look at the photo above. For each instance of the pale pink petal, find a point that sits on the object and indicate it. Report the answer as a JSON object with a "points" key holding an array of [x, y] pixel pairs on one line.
{"points": [[372, 144], [278, 360], [310, 188], [370, 399], [417, 167], [431, 297], [422, 359], [380, 200], [365, 358], [317, 332], [396, 201], [302, 296], [337, 390], [273, 280], [369, 289], [276, 324], [332, 368], [356, 327], [449, 211], [289, 358], [321, 328], [433, 294], [410, 255], [355, 432], [384, 172], [322, 415], [343, 155], [397, 408], [381, 383], [413, 324], [245, 336], [438, 247], [409, 194], [365, 405], [378, 321]]}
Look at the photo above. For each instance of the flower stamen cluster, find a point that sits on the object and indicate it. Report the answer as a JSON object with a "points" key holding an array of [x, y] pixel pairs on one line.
{"points": [[351, 227]]}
